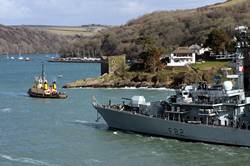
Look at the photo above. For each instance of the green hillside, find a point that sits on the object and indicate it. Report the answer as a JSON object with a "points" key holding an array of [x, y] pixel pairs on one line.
{"points": [[169, 29]]}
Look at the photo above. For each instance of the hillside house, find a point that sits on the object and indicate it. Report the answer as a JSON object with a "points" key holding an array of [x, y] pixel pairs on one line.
{"points": [[199, 50], [182, 56]]}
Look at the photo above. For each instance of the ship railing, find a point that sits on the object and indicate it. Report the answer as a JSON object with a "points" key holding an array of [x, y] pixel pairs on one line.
{"points": [[213, 97], [177, 112], [213, 101], [209, 93], [194, 122]]}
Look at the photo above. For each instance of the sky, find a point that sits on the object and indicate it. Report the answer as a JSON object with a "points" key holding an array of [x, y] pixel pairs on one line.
{"points": [[83, 12]]}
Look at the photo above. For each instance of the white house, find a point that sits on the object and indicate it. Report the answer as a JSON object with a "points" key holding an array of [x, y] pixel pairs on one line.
{"points": [[199, 50], [182, 56]]}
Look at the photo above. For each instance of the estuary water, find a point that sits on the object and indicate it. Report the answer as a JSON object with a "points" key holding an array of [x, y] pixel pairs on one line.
{"points": [[64, 132]]}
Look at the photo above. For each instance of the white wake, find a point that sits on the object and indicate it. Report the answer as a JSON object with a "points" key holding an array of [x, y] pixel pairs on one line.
{"points": [[26, 160]]}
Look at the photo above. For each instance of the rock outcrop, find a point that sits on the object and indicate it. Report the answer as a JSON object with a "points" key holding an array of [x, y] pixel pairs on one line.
{"points": [[166, 78]]}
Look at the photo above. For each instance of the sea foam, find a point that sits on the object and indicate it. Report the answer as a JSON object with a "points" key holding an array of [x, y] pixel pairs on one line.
{"points": [[5, 110], [26, 160]]}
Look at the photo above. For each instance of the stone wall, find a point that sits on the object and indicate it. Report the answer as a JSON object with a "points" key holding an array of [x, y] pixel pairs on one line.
{"points": [[112, 64]]}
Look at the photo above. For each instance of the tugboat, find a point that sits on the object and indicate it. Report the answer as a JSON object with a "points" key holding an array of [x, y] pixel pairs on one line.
{"points": [[218, 113], [41, 89]]}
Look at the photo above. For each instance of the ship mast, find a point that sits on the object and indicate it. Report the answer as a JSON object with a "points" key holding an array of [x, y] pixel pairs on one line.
{"points": [[43, 75], [241, 48]]}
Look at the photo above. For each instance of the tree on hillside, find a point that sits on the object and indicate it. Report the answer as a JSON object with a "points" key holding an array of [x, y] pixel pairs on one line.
{"points": [[217, 40], [231, 46], [150, 55], [145, 42], [109, 44], [153, 62]]}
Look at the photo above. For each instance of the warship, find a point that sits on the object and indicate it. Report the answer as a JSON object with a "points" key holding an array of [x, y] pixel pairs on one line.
{"points": [[41, 89], [217, 113]]}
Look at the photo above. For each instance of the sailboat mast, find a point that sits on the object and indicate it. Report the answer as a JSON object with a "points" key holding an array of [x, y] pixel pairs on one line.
{"points": [[43, 72]]}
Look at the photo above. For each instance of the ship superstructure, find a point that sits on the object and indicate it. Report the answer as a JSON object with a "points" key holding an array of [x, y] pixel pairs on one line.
{"points": [[218, 113]]}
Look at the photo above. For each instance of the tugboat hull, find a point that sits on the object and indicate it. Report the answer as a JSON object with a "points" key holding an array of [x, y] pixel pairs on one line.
{"points": [[51, 96], [129, 121]]}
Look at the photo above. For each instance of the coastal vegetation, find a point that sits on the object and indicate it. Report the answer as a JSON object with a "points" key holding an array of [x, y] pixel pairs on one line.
{"points": [[219, 41]]}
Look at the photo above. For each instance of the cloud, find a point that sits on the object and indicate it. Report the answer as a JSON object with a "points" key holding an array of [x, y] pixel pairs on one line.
{"points": [[10, 9], [78, 12], [133, 7]]}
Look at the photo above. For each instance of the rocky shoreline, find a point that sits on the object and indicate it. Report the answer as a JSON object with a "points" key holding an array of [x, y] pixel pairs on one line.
{"points": [[95, 83], [165, 79]]}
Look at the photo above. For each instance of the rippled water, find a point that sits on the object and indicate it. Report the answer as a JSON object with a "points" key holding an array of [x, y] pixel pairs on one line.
{"points": [[64, 132]]}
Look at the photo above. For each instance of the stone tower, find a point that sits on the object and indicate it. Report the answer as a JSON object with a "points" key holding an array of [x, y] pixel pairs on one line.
{"points": [[112, 64]]}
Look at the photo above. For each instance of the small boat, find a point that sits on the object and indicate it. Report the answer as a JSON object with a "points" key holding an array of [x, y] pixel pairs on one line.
{"points": [[58, 95], [40, 89], [27, 59], [60, 76], [20, 58]]}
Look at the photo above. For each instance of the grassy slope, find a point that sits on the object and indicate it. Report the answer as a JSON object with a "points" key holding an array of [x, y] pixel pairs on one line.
{"points": [[229, 3], [71, 30], [209, 65]]}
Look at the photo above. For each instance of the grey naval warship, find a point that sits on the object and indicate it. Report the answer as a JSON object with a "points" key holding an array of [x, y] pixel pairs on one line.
{"points": [[218, 113]]}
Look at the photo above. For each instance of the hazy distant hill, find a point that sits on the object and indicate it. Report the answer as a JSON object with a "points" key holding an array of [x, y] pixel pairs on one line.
{"points": [[42, 38], [25, 40], [170, 29]]}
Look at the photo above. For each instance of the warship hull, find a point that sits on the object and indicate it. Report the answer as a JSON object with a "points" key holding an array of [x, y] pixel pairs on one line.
{"points": [[135, 122]]}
